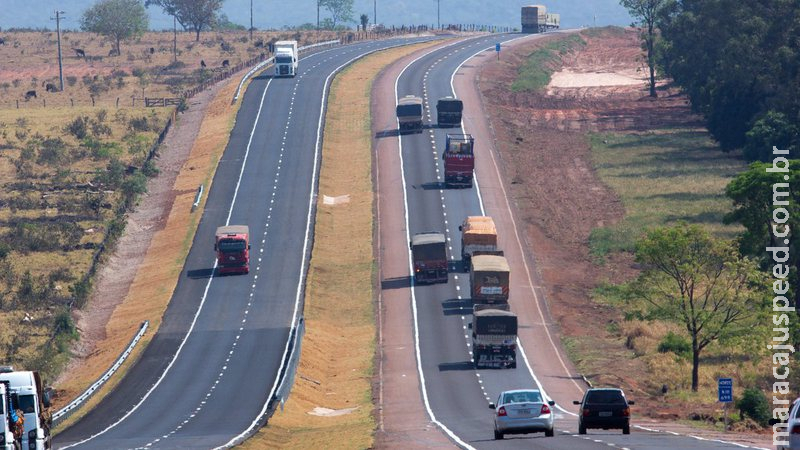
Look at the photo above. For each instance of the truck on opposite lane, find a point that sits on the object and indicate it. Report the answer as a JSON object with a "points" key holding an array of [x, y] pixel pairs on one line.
{"points": [[232, 245], [286, 58]]}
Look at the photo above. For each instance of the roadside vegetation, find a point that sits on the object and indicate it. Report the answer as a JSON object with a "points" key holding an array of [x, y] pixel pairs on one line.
{"points": [[542, 62]]}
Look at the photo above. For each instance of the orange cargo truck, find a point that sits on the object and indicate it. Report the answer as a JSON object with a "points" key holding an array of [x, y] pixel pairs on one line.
{"points": [[478, 234]]}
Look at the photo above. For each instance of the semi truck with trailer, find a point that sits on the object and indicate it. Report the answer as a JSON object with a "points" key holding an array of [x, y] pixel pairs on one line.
{"points": [[459, 160], [232, 244], [494, 337], [409, 113], [448, 112], [536, 19], [27, 394], [429, 255], [286, 58], [489, 279], [478, 234]]}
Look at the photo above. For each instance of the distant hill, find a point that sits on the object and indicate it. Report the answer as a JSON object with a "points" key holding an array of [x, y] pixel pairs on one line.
{"points": [[281, 13]]}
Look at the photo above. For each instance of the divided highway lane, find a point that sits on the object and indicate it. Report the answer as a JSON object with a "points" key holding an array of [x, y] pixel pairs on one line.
{"points": [[458, 394], [208, 373]]}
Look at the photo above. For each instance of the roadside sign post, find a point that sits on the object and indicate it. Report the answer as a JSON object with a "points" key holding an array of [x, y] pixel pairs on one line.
{"points": [[725, 395], [497, 50]]}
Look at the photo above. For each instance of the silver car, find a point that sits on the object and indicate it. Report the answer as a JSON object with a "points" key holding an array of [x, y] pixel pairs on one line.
{"points": [[522, 411], [789, 433]]}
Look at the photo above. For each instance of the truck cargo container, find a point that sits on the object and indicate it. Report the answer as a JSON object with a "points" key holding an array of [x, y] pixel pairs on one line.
{"points": [[494, 337], [489, 279], [478, 234], [233, 249], [409, 113], [459, 160], [429, 255], [535, 19], [448, 112]]}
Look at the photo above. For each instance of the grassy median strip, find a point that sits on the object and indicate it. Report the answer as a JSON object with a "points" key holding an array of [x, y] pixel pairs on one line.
{"points": [[151, 290], [331, 402]]}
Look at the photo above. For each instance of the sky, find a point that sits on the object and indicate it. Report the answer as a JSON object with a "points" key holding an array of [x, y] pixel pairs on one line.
{"points": [[271, 14]]}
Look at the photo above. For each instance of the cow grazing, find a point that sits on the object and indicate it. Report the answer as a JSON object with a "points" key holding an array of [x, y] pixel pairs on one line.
{"points": [[30, 94], [152, 50], [202, 64], [226, 63], [50, 87], [79, 53]]}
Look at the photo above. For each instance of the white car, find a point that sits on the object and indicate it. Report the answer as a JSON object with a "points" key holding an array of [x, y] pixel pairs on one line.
{"points": [[792, 427], [522, 411]]}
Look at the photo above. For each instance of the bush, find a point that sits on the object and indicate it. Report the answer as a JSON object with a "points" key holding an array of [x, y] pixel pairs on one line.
{"points": [[80, 291], [676, 344], [754, 404], [140, 124], [71, 80], [78, 127], [53, 152]]}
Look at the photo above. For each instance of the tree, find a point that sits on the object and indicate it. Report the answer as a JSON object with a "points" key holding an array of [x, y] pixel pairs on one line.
{"points": [[700, 282], [193, 15], [647, 12], [341, 10], [364, 22], [117, 19], [753, 193]]}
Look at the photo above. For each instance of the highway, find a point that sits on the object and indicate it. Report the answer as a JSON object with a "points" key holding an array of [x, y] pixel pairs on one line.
{"points": [[455, 394], [206, 378]]}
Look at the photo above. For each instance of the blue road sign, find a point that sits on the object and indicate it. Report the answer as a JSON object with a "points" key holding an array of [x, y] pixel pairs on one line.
{"points": [[497, 47], [725, 390]]}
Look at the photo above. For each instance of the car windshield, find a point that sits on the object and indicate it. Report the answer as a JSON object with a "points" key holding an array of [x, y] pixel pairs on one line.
{"points": [[522, 397], [231, 245], [605, 397], [27, 403]]}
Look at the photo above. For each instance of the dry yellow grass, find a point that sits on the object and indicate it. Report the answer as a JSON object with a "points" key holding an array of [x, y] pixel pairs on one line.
{"points": [[155, 280], [339, 344]]}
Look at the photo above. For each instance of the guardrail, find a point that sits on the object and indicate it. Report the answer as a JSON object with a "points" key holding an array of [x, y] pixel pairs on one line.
{"points": [[197, 198], [67, 411], [269, 61]]}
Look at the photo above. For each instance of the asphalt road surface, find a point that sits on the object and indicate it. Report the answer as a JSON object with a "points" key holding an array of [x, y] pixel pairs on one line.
{"points": [[206, 378], [457, 395]]}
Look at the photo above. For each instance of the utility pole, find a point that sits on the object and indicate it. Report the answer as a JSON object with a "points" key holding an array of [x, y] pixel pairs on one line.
{"points": [[251, 20], [317, 20], [58, 18], [438, 15], [375, 12], [174, 38]]}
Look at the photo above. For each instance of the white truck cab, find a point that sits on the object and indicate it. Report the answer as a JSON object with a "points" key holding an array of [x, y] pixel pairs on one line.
{"points": [[27, 393], [286, 58], [6, 435]]}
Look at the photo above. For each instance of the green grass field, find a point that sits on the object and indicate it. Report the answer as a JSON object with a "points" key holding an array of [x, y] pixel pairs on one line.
{"points": [[662, 177], [536, 72]]}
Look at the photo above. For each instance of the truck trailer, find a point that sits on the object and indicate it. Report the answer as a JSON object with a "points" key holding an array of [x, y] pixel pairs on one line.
{"points": [[535, 19], [409, 113], [489, 279], [232, 245], [429, 254], [478, 234], [27, 394], [448, 112], [286, 58], [459, 160], [494, 337]]}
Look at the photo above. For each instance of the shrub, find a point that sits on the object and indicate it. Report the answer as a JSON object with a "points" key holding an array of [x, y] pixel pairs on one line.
{"points": [[149, 169], [71, 80], [101, 115], [113, 176], [140, 124], [676, 344], [138, 72], [78, 127], [102, 150], [53, 152], [754, 404], [80, 291], [63, 325], [4, 250]]}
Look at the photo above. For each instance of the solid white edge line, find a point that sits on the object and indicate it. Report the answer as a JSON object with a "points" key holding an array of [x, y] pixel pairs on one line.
{"points": [[420, 372], [202, 301], [309, 222]]}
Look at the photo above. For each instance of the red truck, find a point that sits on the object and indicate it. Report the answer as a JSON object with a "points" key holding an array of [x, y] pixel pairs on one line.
{"points": [[233, 249], [459, 160]]}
